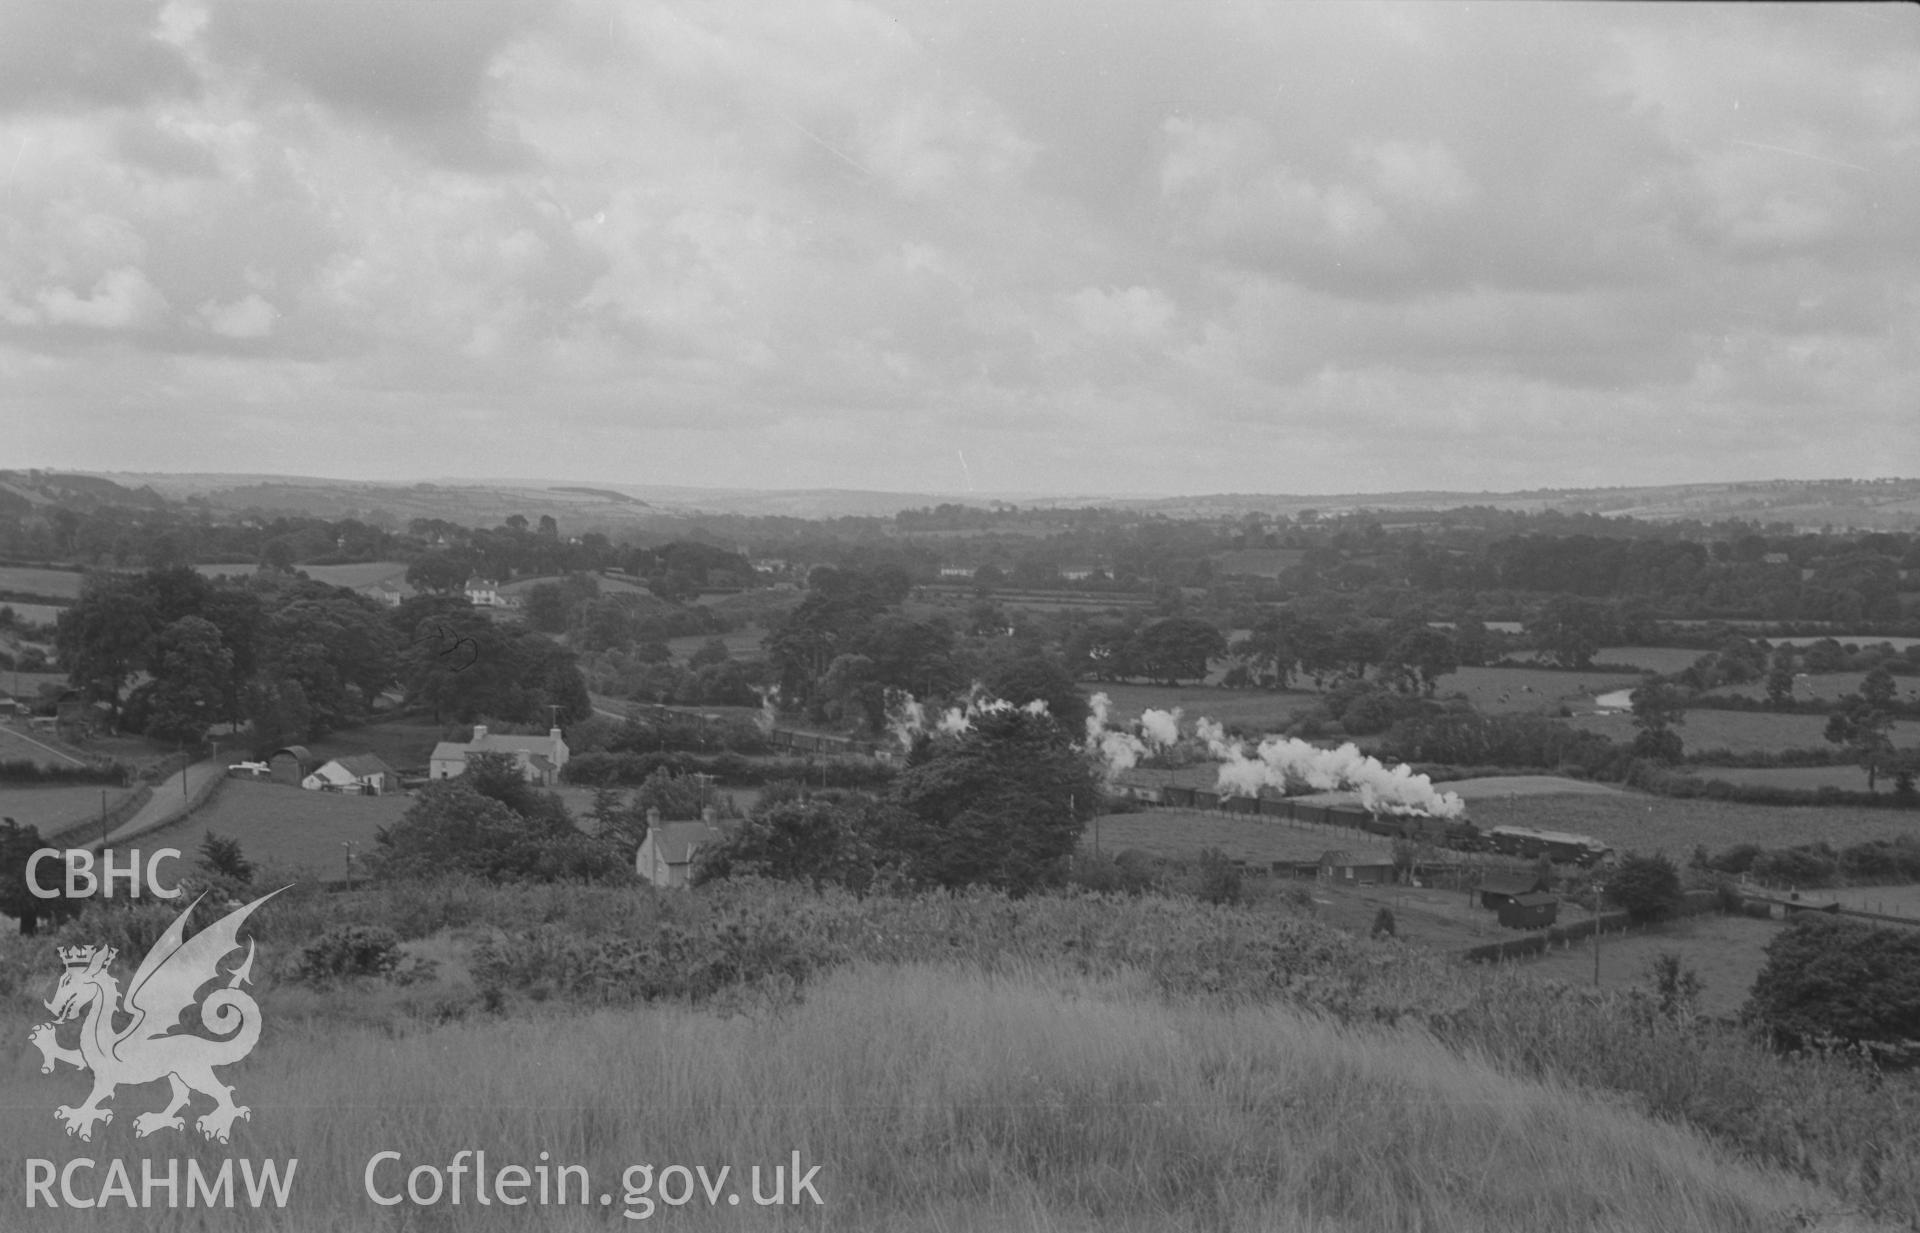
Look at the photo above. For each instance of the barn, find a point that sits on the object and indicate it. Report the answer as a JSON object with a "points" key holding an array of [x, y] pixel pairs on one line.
{"points": [[1340, 865], [365, 774], [1534, 910], [290, 765], [1500, 889]]}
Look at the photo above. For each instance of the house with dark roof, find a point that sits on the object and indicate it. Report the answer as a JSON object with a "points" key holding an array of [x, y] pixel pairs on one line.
{"points": [[1499, 889], [539, 757], [1340, 865], [365, 774], [1534, 910], [667, 854]]}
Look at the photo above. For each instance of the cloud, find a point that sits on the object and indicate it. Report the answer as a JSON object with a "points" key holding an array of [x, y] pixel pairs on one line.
{"points": [[251, 317], [122, 299], [1127, 245], [67, 56]]}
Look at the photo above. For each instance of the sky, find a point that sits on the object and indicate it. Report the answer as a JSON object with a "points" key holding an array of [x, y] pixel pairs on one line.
{"points": [[1129, 247]]}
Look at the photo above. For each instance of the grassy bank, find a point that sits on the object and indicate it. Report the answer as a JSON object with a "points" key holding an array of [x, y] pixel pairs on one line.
{"points": [[935, 1099], [978, 1062]]}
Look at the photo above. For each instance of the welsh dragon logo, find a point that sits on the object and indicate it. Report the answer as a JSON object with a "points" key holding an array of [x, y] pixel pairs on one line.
{"points": [[151, 1044]]}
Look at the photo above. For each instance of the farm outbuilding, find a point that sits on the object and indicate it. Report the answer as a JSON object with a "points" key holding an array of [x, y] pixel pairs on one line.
{"points": [[1340, 865], [290, 765], [1530, 911], [365, 774], [1501, 889]]}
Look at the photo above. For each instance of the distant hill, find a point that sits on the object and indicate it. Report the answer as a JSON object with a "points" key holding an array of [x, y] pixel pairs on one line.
{"points": [[1885, 504]]}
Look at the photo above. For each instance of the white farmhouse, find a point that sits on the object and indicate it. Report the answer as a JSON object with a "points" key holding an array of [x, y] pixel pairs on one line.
{"points": [[539, 757], [364, 774]]}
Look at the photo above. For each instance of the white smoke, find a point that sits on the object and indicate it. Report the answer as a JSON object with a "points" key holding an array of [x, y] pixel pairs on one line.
{"points": [[907, 717], [1160, 729], [1118, 749], [1281, 760]]}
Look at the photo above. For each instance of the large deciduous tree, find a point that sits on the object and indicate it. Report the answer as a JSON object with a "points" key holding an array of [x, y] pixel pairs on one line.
{"points": [[1176, 648], [999, 804], [1864, 723], [1827, 978], [1570, 628], [193, 671]]}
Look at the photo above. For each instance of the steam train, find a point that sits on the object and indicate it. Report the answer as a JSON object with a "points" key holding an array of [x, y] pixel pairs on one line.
{"points": [[1455, 834]]}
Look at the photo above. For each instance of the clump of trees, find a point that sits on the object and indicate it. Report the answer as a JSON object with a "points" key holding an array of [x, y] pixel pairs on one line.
{"points": [[491, 823], [1648, 887], [1839, 980], [1002, 804]]}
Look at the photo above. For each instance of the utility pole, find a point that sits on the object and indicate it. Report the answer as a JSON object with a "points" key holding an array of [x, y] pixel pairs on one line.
{"points": [[348, 845], [1598, 891]]}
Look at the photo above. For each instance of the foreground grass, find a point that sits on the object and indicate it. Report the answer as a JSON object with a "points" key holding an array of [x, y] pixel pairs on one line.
{"points": [[936, 1098], [528, 961]]}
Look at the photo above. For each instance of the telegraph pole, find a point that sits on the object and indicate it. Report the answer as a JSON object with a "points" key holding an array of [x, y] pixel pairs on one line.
{"points": [[1599, 890]]}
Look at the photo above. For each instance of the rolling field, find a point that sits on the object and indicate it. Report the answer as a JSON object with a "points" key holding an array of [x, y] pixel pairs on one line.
{"points": [[1531, 689], [742, 644], [1850, 778], [1181, 833], [1824, 685], [1430, 917], [1646, 658], [286, 827], [49, 809], [364, 574], [36, 614], [1651, 658], [1890, 900], [1727, 952], [1262, 710], [58, 583], [1735, 731], [1658, 823], [40, 747]]}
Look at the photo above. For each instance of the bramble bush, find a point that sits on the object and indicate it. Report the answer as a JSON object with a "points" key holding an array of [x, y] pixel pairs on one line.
{"points": [[350, 950]]}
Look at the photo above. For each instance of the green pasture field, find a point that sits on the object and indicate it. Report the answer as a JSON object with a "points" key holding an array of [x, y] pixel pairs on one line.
{"points": [[17, 743], [1652, 658], [608, 586], [56, 583], [1849, 778], [27, 684], [1647, 658], [1727, 952], [287, 827], [1889, 900], [1525, 690], [741, 643], [1736, 732], [50, 809], [762, 605], [1262, 710], [36, 614], [1824, 685], [1426, 916], [1659, 823], [1180, 834]]}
